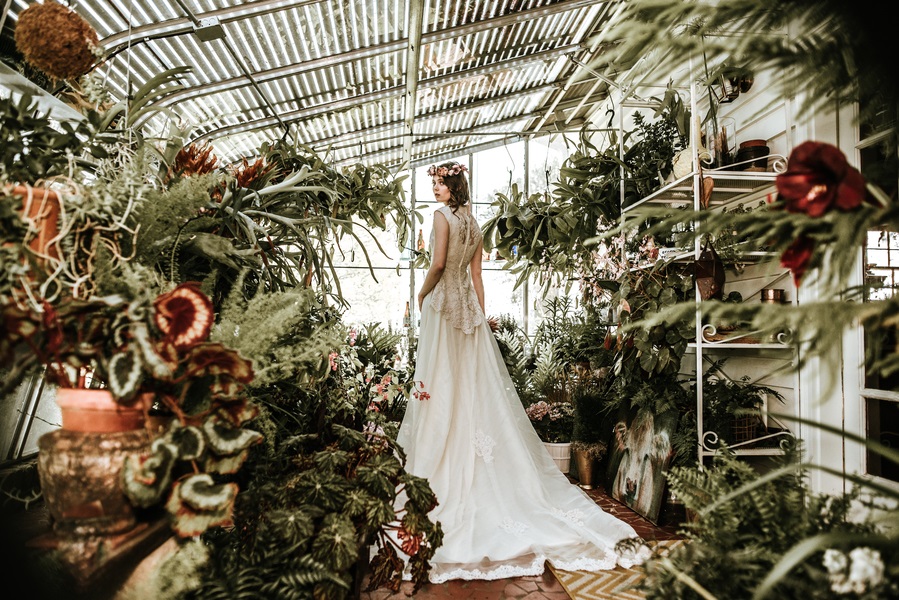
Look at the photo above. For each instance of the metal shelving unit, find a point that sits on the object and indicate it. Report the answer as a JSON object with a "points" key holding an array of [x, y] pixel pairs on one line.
{"points": [[731, 187]]}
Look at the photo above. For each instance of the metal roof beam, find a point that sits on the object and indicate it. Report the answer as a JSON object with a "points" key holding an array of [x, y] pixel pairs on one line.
{"points": [[358, 136], [413, 60], [184, 25], [270, 122], [394, 91], [513, 136], [387, 47]]}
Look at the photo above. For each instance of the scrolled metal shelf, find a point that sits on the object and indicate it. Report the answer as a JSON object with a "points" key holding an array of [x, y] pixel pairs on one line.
{"points": [[749, 339]]}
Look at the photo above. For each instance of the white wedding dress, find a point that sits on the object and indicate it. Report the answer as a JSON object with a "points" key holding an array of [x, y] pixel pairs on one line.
{"points": [[504, 505]]}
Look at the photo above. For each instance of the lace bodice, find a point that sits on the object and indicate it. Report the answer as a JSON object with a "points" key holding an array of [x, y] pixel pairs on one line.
{"points": [[454, 296]]}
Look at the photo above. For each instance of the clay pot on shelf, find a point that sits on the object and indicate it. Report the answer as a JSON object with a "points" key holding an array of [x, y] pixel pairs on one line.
{"points": [[80, 464], [41, 208], [755, 150]]}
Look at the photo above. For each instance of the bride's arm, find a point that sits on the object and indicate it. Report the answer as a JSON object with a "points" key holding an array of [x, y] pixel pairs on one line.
{"points": [[476, 280], [438, 258]]}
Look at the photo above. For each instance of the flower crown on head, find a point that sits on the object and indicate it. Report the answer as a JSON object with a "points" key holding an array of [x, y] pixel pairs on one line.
{"points": [[446, 171]]}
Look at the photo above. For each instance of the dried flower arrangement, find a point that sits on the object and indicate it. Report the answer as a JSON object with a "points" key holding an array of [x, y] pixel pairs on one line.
{"points": [[56, 40]]}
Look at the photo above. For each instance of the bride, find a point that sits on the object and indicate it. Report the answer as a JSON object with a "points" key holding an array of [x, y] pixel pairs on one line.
{"points": [[504, 506]]}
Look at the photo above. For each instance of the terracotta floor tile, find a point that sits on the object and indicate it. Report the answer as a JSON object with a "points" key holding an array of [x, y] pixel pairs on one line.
{"points": [[539, 587]]}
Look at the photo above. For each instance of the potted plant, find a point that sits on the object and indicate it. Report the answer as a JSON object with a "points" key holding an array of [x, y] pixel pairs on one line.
{"points": [[733, 406], [588, 445], [554, 422], [150, 345]]}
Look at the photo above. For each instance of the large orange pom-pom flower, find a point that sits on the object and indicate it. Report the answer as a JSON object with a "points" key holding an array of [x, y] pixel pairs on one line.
{"points": [[56, 40]]}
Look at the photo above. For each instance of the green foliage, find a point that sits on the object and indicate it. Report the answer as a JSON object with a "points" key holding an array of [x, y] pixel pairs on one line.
{"points": [[588, 397], [313, 506], [726, 399], [834, 50], [644, 352], [747, 524], [553, 421], [515, 349], [287, 334], [32, 147], [651, 158]]}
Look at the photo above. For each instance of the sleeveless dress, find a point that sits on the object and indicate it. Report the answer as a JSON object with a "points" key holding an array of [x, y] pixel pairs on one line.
{"points": [[504, 505]]}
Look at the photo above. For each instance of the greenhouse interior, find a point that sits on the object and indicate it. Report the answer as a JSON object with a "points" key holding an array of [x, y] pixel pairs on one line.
{"points": [[380, 299]]}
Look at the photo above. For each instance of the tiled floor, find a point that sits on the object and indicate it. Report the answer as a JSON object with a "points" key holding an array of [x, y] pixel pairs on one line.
{"points": [[540, 587]]}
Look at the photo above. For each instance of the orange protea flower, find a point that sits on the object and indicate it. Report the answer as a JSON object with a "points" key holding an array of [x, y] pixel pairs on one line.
{"points": [[246, 174], [184, 315], [195, 160], [56, 40]]}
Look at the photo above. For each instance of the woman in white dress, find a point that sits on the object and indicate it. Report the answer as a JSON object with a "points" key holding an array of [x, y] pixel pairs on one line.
{"points": [[504, 505]]}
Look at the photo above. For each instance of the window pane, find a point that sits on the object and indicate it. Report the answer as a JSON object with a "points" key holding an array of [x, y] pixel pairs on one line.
{"points": [[880, 166], [546, 155], [495, 171], [883, 427]]}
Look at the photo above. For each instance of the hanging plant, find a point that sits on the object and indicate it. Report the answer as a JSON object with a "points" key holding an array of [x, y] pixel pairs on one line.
{"points": [[56, 40]]}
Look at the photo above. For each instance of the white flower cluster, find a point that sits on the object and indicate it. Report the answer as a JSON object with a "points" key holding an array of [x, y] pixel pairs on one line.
{"points": [[864, 566]]}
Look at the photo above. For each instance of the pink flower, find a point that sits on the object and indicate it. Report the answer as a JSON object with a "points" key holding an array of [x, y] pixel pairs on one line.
{"points": [[332, 360]]}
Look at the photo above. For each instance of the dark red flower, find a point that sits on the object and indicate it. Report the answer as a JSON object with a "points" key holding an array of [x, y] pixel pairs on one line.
{"points": [[797, 256], [817, 179], [184, 315]]}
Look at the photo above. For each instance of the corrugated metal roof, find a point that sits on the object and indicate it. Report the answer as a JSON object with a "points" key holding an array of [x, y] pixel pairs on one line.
{"points": [[333, 74]]}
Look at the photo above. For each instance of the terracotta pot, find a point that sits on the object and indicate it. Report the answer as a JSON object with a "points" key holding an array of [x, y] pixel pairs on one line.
{"points": [[42, 207], [80, 464], [96, 411]]}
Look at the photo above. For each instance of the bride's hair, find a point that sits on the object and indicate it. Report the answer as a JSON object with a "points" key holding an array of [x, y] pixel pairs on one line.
{"points": [[453, 174]]}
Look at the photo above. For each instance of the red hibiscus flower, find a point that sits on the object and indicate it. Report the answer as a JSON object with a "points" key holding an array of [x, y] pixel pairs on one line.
{"points": [[817, 179], [184, 315], [797, 256]]}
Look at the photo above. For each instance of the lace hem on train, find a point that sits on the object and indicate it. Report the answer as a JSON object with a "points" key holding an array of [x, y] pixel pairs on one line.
{"points": [[536, 567]]}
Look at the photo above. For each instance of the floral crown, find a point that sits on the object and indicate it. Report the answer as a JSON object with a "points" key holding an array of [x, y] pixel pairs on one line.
{"points": [[446, 171]]}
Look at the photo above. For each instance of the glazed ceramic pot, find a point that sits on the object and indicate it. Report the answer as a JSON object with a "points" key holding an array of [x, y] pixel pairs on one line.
{"points": [[80, 464]]}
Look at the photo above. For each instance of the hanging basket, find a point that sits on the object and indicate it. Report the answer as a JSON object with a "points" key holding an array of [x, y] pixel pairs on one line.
{"points": [[56, 40]]}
